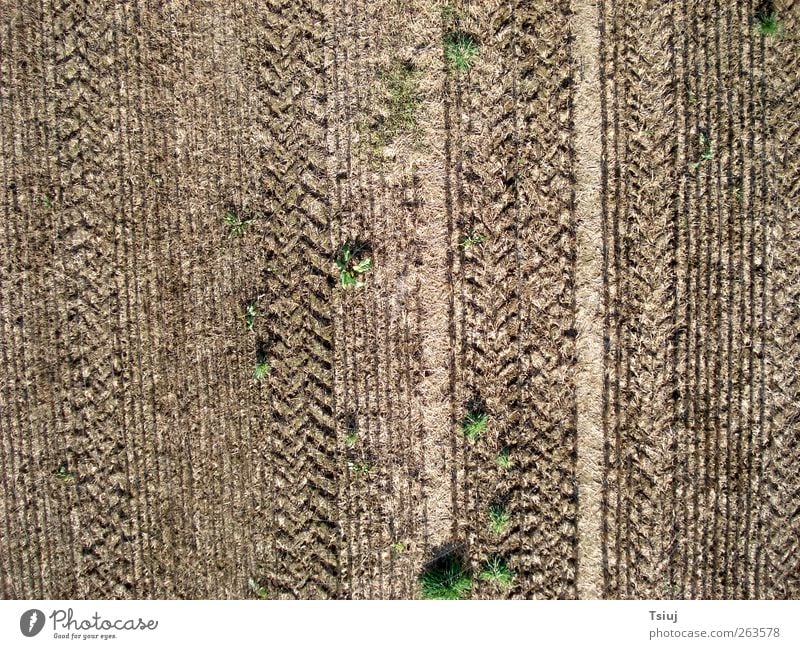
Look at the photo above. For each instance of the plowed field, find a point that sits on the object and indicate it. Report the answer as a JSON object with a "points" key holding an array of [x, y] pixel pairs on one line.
{"points": [[588, 235]]}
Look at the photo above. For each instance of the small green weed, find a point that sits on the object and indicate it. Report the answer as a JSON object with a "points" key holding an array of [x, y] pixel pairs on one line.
{"points": [[262, 369], [446, 578], [504, 460], [399, 547], [471, 239], [474, 423], [460, 49], [236, 223], [351, 438], [361, 469], [258, 590], [706, 150], [48, 202], [351, 434], [64, 474], [496, 571], [251, 312], [498, 519], [767, 23], [350, 267]]}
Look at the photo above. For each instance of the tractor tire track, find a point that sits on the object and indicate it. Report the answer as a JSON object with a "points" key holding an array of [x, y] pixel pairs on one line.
{"points": [[512, 178], [304, 446]]}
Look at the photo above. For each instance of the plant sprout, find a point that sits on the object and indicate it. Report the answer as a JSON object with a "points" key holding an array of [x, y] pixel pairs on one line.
{"points": [[251, 312], [350, 268], [460, 49], [497, 572], [236, 224], [64, 474], [474, 424], [504, 459], [471, 239], [351, 438], [498, 519], [446, 579], [706, 150], [258, 590], [262, 369], [768, 24]]}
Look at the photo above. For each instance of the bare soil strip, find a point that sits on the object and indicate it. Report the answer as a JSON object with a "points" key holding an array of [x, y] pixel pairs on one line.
{"points": [[588, 297], [87, 82], [389, 333], [166, 470], [545, 480], [432, 279], [354, 357]]}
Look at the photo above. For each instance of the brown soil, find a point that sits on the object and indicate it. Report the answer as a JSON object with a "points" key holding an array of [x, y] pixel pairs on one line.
{"points": [[510, 177], [699, 324], [588, 298], [629, 323]]}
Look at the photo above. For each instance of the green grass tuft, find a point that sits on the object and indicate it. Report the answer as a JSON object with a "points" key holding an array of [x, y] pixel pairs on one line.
{"points": [[474, 424], [403, 94], [236, 224], [460, 49], [768, 24], [496, 571], [498, 519], [504, 460], [262, 369], [399, 105], [446, 578], [351, 438]]}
